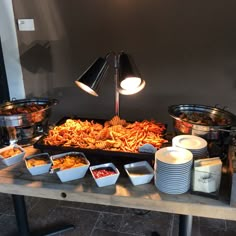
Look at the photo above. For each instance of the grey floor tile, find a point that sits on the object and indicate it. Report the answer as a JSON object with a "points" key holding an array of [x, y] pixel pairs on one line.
{"points": [[6, 205], [30, 202], [175, 226], [84, 221], [195, 226], [93, 207], [8, 226], [231, 225], [40, 212], [100, 232], [209, 232], [70, 204], [227, 233], [139, 224], [108, 221], [136, 211], [212, 226], [103, 208], [96, 220]]}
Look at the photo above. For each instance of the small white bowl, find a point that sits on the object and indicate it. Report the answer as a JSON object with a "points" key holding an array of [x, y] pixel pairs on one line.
{"points": [[39, 169], [13, 159], [74, 172], [106, 180], [139, 172]]}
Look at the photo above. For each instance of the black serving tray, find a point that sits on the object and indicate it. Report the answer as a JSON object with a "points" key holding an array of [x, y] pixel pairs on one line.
{"points": [[96, 156]]}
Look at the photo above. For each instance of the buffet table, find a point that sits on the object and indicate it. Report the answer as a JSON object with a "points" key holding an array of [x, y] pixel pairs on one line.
{"points": [[16, 180]]}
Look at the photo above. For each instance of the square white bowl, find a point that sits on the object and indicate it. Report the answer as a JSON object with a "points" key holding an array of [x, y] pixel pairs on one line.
{"points": [[13, 159], [39, 169], [74, 172], [139, 172], [106, 180]]}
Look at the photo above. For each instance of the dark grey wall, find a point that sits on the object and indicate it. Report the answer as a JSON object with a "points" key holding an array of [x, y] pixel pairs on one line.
{"points": [[185, 50]]}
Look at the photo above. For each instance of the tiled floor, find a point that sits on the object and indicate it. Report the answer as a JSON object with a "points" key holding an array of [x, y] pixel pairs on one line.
{"points": [[100, 220]]}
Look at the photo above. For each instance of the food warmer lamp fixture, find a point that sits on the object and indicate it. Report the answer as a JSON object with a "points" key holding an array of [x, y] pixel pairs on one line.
{"points": [[127, 77]]}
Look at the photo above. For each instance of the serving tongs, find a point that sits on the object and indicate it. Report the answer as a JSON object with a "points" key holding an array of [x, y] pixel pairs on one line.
{"points": [[231, 131]]}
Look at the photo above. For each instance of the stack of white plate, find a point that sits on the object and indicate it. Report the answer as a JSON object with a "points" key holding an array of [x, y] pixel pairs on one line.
{"points": [[173, 170], [195, 144]]}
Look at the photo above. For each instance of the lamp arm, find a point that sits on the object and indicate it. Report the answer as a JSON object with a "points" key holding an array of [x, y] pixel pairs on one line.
{"points": [[111, 53], [117, 94], [116, 79], [125, 73]]}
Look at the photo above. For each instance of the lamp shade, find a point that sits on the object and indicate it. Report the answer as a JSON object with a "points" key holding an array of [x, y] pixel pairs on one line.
{"points": [[130, 81], [90, 81]]}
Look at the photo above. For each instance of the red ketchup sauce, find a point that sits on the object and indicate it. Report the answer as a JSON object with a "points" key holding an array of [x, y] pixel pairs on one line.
{"points": [[102, 172]]}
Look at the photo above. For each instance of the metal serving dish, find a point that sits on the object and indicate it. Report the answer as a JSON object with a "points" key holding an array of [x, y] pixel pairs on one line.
{"points": [[212, 131], [21, 126], [96, 156]]}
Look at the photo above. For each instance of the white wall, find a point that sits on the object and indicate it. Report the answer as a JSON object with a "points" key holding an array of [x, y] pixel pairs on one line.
{"points": [[10, 50]]}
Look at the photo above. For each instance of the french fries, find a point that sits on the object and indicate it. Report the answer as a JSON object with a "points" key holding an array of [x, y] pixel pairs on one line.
{"points": [[114, 135]]}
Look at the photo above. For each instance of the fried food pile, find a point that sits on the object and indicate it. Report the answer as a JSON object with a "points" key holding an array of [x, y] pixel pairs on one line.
{"points": [[67, 162], [10, 153], [36, 162], [115, 135]]}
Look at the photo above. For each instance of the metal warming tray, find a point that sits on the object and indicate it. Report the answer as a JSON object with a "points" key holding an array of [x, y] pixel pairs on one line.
{"points": [[17, 119], [24, 119], [212, 124]]}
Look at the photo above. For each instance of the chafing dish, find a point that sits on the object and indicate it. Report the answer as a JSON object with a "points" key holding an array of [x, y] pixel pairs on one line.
{"points": [[221, 121], [19, 125]]}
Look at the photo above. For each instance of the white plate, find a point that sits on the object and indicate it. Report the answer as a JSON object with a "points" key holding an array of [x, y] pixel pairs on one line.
{"points": [[173, 182], [189, 142], [169, 173], [174, 155], [202, 151], [173, 191], [173, 187], [199, 153], [173, 177], [183, 166]]}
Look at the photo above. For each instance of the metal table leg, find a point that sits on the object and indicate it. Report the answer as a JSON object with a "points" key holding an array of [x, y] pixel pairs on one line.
{"points": [[21, 215], [22, 220], [185, 225]]}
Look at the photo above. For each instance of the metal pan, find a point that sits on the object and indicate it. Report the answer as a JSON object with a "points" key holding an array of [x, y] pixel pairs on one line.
{"points": [[19, 124], [25, 119], [222, 120]]}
